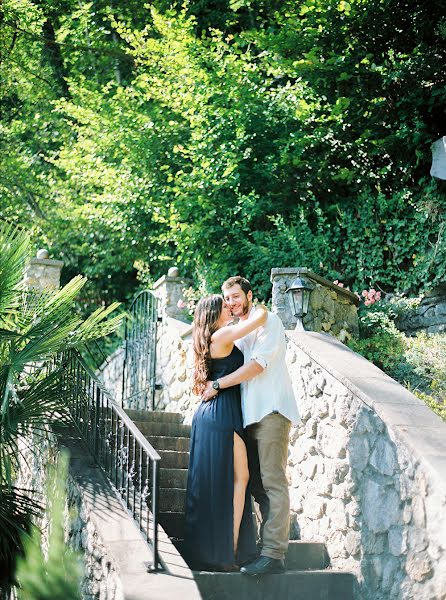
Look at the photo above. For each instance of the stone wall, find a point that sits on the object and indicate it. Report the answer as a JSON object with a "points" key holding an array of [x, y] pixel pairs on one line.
{"points": [[100, 580], [43, 273], [174, 368], [332, 308], [429, 316], [367, 472]]}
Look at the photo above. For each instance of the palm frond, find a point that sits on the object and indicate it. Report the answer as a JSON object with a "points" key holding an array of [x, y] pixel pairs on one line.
{"points": [[17, 508], [37, 403], [14, 255], [7, 334], [96, 325], [50, 342], [51, 308]]}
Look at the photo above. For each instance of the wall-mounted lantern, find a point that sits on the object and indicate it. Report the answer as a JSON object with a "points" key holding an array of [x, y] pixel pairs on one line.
{"points": [[299, 297]]}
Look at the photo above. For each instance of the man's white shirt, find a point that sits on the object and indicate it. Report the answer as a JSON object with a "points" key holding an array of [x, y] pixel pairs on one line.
{"points": [[271, 390]]}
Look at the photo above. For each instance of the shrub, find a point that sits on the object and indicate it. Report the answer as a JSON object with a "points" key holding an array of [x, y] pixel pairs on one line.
{"points": [[418, 363]]}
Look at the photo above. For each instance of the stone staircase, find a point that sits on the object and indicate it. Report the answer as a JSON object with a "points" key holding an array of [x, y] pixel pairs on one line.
{"points": [[308, 575]]}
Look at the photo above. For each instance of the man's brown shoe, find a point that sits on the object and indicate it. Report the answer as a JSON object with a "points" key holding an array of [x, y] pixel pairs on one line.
{"points": [[264, 565]]}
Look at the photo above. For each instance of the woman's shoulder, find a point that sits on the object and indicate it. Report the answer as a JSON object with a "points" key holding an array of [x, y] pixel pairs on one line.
{"points": [[234, 350]]}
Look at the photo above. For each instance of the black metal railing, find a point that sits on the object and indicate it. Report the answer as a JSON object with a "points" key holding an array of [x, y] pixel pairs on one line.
{"points": [[139, 368], [120, 449]]}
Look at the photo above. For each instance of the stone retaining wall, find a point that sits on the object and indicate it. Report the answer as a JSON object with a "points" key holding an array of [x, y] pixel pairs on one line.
{"points": [[100, 580], [174, 368], [363, 477]]}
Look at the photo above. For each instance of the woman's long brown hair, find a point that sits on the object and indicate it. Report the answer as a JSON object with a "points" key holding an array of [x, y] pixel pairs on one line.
{"points": [[206, 315]]}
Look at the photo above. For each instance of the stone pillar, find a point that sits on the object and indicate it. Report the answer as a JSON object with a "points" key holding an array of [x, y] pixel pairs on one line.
{"points": [[43, 272], [428, 316], [332, 308], [169, 290]]}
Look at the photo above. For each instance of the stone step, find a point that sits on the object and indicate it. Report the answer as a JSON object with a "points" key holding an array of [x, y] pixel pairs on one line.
{"points": [[158, 428], [301, 556], [173, 459], [172, 523], [306, 555], [291, 585], [157, 415], [163, 442], [173, 478], [172, 499]]}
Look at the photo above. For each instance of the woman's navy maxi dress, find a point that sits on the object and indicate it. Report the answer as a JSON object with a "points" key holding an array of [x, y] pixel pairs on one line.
{"points": [[210, 484]]}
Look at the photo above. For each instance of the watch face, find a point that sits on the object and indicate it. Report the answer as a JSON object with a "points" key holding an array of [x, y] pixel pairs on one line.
{"points": [[215, 385]]}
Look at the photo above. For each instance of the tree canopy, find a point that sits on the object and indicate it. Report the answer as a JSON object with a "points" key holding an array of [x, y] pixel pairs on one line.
{"points": [[227, 137]]}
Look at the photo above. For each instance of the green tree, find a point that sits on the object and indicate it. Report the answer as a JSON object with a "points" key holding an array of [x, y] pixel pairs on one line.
{"points": [[228, 137]]}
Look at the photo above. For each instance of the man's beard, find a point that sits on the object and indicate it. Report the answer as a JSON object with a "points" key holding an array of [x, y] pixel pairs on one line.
{"points": [[245, 310]]}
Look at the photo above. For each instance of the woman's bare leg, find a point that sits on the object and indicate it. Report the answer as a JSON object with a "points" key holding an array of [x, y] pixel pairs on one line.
{"points": [[241, 477]]}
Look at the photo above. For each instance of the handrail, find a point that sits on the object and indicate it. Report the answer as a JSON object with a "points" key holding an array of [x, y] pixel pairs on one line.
{"points": [[135, 431], [129, 461]]}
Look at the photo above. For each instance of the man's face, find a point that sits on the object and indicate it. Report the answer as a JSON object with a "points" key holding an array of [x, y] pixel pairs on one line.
{"points": [[237, 300]]}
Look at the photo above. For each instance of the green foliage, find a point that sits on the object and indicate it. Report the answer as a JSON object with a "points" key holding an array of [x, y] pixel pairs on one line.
{"points": [[57, 573], [418, 363], [35, 329], [380, 342], [227, 138], [426, 354]]}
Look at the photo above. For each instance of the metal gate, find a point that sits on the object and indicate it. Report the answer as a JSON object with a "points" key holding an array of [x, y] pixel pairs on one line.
{"points": [[139, 369]]}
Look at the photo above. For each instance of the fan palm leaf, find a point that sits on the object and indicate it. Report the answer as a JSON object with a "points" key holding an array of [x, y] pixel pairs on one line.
{"points": [[18, 507], [36, 327], [14, 253]]}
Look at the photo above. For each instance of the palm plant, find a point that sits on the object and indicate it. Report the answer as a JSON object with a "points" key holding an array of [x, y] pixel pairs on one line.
{"points": [[36, 328]]}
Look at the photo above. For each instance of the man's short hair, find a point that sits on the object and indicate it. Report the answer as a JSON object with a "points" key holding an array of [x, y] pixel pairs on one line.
{"points": [[241, 281]]}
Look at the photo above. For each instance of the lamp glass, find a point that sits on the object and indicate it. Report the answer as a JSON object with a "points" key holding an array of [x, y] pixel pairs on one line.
{"points": [[306, 301], [297, 302]]}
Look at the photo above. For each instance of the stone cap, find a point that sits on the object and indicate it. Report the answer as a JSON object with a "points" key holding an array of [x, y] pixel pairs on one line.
{"points": [[184, 329], [416, 426], [47, 262], [295, 271], [166, 279]]}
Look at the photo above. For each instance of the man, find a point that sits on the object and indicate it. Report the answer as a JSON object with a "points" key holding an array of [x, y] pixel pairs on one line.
{"points": [[269, 408]]}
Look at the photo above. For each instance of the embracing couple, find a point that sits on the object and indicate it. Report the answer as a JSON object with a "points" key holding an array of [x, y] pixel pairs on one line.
{"points": [[239, 439]]}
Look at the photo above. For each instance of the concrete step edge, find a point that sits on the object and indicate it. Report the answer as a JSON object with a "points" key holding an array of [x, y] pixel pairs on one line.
{"points": [[155, 416], [327, 571]]}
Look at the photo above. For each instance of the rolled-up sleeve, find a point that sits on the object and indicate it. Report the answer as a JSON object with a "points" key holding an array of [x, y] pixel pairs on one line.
{"points": [[268, 342]]}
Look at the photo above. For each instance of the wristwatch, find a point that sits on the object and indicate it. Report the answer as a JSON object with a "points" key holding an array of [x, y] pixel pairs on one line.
{"points": [[216, 385]]}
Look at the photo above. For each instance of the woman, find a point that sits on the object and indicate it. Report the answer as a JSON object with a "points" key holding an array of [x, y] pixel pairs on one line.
{"points": [[219, 525]]}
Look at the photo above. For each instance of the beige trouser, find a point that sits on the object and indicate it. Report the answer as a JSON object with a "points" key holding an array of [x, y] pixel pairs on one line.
{"points": [[269, 485]]}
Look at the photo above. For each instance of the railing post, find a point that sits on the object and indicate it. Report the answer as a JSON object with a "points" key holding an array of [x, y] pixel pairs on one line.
{"points": [[153, 355], [96, 419], [124, 364], [155, 498]]}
